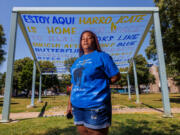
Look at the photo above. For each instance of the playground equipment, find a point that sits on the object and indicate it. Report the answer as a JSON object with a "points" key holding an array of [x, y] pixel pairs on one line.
{"points": [[121, 32]]}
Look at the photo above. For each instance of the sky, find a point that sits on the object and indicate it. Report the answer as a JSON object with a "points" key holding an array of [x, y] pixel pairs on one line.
{"points": [[21, 46]]}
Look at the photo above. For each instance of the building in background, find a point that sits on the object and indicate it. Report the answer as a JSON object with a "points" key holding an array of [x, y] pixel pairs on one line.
{"points": [[155, 88]]}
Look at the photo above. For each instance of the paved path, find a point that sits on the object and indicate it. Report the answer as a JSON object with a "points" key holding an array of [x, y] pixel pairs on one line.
{"points": [[55, 112]]}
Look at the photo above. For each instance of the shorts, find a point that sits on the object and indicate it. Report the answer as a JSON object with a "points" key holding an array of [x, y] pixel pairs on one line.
{"points": [[94, 118]]}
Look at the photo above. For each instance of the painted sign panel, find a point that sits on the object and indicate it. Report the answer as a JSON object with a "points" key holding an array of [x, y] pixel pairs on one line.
{"points": [[56, 37]]}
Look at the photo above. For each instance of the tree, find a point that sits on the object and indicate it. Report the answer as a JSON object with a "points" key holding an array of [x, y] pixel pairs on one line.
{"points": [[69, 62], [48, 81], [2, 42], [66, 78], [170, 28], [65, 81], [143, 74], [22, 77], [2, 82], [123, 80]]}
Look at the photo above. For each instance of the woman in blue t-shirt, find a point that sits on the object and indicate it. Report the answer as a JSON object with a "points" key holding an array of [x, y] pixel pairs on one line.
{"points": [[91, 75]]}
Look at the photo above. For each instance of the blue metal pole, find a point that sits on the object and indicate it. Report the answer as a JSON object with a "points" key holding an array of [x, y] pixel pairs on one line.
{"points": [[9, 71], [129, 87], [33, 83], [162, 68], [40, 81], [136, 81]]}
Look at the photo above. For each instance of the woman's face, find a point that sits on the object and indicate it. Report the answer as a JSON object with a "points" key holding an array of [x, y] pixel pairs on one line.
{"points": [[87, 41]]}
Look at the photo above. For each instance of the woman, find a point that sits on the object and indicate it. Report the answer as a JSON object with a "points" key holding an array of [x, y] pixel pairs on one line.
{"points": [[90, 100]]}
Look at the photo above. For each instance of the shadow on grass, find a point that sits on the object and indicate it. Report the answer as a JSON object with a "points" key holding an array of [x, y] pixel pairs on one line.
{"points": [[143, 127], [172, 100], [43, 110], [175, 100], [176, 96], [46, 97], [152, 107], [13, 103], [71, 130], [127, 127]]}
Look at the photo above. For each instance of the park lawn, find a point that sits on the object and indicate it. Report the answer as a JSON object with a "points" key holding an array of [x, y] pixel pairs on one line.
{"points": [[122, 124], [118, 100], [20, 104], [146, 100]]}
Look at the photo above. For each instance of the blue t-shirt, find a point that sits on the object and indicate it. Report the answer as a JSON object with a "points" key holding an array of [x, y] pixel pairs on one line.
{"points": [[90, 78]]}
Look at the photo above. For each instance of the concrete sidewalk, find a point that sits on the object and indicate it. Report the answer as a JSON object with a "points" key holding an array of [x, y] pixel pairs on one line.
{"points": [[54, 112]]}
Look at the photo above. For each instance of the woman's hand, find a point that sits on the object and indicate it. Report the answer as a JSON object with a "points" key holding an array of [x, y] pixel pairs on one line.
{"points": [[69, 109], [69, 112], [115, 78]]}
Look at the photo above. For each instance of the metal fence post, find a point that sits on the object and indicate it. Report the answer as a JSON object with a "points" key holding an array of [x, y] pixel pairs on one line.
{"points": [[40, 81], [33, 84], [162, 68], [136, 81], [129, 87], [9, 71]]}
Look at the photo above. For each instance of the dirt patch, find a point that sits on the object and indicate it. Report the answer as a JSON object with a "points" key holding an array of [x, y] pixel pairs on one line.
{"points": [[115, 110]]}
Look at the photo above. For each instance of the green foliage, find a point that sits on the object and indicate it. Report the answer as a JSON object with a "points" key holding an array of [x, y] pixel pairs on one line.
{"points": [[22, 77], [2, 42], [123, 80], [65, 81], [143, 74], [1, 83], [170, 28], [48, 81], [69, 62], [66, 78]]}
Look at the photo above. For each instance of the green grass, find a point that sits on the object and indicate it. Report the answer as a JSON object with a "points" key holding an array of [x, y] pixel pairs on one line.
{"points": [[124, 124], [120, 100], [147, 100], [20, 104]]}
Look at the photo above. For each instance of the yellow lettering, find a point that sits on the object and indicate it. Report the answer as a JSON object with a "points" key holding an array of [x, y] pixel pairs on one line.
{"points": [[121, 19], [39, 44], [76, 45], [84, 20], [73, 30], [141, 18], [89, 20], [111, 44], [80, 20], [31, 29], [101, 20], [48, 44], [95, 20], [108, 18], [107, 45], [58, 30], [65, 31], [57, 45], [130, 19], [50, 30], [28, 29], [34, 44], [113, 27], [66, 46]]}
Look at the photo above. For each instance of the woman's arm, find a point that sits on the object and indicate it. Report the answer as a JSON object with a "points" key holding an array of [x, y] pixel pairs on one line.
{"points": [[69, 107], [115, 78]]}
